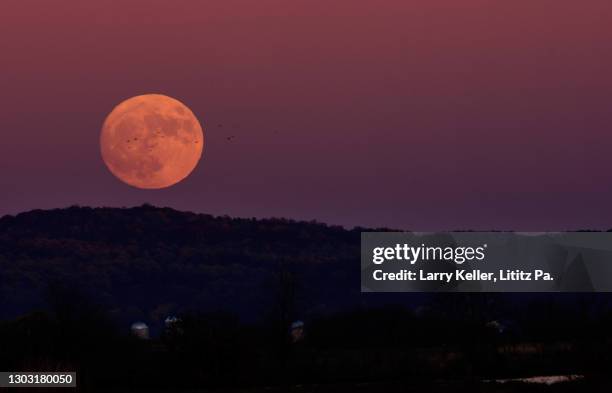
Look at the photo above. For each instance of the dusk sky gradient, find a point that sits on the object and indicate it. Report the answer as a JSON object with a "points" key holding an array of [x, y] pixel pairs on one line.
{"points": [[424, 115]]}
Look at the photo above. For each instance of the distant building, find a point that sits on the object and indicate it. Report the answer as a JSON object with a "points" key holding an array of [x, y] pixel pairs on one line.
{"points": [[170, 322], [297, 331], [172, 326], [140, 330]]}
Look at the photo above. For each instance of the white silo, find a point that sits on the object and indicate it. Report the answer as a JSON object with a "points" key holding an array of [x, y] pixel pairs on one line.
{"points": [[140, 330]]}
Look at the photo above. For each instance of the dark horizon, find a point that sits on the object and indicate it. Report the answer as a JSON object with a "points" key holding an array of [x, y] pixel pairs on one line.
{"points": [[153, 298]]}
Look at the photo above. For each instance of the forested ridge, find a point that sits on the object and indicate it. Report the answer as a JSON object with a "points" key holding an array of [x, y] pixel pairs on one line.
{"points": [[145, 262]]}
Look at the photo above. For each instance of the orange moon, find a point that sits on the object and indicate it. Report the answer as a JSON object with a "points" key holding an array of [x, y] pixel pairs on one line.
{"points": [[151, 141]]}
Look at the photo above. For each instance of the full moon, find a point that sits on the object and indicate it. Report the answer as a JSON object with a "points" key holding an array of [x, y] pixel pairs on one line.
{"points": [[151, 141]]}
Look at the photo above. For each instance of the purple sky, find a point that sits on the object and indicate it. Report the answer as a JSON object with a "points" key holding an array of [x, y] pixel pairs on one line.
{"points": [[425, 115]]}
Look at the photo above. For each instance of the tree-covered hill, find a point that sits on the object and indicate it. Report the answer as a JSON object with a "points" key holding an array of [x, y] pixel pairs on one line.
{"points": [[147, 262]]}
